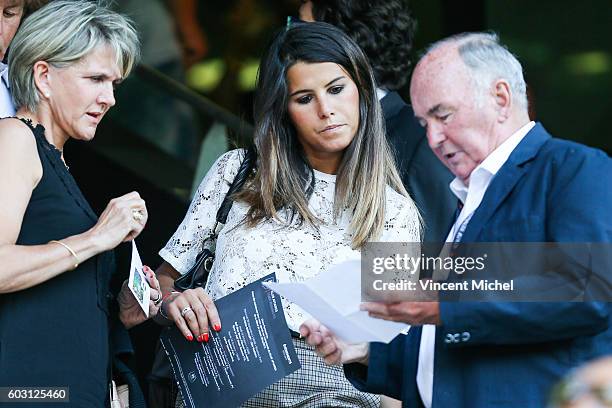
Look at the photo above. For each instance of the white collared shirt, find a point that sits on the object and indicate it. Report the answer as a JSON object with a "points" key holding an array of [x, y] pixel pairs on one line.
{"points": [[471, 196], [6, 102], [381, 93]]}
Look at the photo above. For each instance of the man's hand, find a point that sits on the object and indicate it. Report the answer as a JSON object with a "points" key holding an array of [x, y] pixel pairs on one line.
{"points": [[332, 349], [414, 313]]}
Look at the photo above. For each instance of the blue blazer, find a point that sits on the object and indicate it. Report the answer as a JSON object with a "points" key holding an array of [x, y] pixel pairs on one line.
{"points": [[511, 354]]}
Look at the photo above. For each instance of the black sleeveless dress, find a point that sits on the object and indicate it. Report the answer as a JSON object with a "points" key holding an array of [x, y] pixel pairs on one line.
{"points": [[56, 334]]}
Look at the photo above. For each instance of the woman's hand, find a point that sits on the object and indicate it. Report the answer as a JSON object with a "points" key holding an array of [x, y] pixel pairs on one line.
{"points": [[193, 311], [130, 312], [122, 220]]}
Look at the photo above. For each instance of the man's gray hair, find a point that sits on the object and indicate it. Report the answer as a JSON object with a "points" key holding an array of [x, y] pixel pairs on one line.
{"points": [[488, 60], [62, 33]]}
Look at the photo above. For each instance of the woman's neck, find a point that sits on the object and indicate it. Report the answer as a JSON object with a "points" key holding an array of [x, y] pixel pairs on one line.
{"points": [[53, 133]]}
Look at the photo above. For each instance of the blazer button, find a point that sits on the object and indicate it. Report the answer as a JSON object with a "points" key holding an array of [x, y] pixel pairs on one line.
{"points": [[452, 338], [465, 336]]}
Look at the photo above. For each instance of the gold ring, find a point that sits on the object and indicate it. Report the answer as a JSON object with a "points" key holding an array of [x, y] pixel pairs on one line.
{"points": [[137, 215]]}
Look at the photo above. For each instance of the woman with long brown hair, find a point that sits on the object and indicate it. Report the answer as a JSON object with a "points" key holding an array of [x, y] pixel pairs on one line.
{"points": [[325, 184]]}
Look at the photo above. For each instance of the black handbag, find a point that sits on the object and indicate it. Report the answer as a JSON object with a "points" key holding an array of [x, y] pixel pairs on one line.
{"points": [[197, 276]]}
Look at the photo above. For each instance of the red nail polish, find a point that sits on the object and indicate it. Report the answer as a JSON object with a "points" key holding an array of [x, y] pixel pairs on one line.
{"points": [[217, 327], [190, 337], [205, 337], [200, 338]]}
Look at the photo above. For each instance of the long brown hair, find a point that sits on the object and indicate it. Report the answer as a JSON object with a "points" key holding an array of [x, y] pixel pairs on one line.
{"points": [[284, 179]]}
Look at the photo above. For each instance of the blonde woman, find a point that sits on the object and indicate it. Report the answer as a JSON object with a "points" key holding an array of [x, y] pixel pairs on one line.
{"points": [[56, 309]]}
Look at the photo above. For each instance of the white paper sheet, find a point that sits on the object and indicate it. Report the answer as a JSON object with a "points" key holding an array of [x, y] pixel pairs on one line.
{"points": [[333, 298], [138, 282]]}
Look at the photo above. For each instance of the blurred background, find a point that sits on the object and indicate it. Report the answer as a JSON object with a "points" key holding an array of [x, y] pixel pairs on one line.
{"points": [[190, 99]]}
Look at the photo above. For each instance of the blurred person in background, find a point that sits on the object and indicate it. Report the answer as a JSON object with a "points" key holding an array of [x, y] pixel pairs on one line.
{"points": [[56, 306], [325, 184], [12, 12], [172, 41], [589, 386], [170, 33]]}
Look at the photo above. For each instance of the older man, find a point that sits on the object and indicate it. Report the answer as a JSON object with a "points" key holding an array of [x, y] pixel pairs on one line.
{"points": [[388, 50], [12, 12], [515, 183]]}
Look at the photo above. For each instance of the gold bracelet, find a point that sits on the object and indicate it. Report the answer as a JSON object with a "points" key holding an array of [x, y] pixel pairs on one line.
{"points": [[76, 258]]}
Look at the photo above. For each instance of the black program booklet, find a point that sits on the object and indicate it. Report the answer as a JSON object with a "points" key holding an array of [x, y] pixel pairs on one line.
{"points": [[252, 351]]}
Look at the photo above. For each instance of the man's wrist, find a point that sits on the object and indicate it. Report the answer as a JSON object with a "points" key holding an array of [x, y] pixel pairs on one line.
{"points": [[366, 355], [359, 353]]}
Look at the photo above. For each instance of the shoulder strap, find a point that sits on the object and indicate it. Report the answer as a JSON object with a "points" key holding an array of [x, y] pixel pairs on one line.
{"points": [[247, 165], [198, 274]]}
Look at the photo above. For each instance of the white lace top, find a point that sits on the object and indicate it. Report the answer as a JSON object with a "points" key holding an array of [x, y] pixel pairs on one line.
{"points": [[244, 254]]}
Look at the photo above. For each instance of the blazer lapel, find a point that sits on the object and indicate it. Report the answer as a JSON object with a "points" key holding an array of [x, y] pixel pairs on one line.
{"points": [[391, 104], [505, 180]]}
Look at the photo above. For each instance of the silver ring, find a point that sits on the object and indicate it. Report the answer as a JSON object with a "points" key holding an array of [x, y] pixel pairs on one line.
{"points": [[137, 215], [158, 300], [186, 310]]}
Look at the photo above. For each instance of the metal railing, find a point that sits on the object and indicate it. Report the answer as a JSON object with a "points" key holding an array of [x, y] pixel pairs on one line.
{"points": [[136, 145], [208, 108]]}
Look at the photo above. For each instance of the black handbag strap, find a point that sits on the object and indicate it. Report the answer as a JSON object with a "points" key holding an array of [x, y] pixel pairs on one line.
{"points": [[247, 165]]}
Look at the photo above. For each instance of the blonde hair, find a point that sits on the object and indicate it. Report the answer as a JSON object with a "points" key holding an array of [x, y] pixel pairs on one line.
{"points": [[62, 33]]}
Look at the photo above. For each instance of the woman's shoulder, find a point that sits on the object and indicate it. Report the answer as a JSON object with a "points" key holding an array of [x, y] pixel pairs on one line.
{"points": [[401, 216], [227, 164], [18, 152], [17, 140], [397, 204], [395, 199], [15, 130]]}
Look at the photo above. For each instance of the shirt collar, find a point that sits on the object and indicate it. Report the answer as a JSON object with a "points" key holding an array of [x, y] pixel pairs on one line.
{"points": [[4, 73], [492, 163], [381, 93], [459, 189]]}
